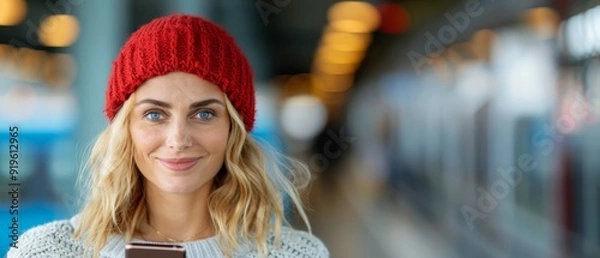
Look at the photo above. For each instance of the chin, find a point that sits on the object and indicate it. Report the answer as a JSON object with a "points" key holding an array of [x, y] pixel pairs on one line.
{"points": [[178, 189], [181, 185]]}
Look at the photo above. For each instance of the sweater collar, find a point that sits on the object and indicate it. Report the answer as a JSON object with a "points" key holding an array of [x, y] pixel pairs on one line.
{"points": [[115, 245]]}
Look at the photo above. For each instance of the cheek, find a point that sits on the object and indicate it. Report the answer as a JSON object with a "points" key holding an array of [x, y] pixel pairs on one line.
{"points": [[144, 140], [217, 142]]}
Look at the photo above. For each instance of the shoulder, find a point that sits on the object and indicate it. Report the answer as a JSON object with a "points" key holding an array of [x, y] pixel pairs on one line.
{"points": [[298, 243], [53, 239]]}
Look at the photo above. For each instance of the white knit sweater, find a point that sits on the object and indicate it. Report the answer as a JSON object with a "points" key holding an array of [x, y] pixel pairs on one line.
{"points": [[55, 239]]}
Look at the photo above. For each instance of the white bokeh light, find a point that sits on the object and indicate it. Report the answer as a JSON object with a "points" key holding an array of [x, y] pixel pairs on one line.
{"points": [[303, 117]]}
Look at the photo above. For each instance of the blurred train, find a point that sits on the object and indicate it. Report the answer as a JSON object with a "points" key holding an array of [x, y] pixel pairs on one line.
{"points": [[493, 136]]}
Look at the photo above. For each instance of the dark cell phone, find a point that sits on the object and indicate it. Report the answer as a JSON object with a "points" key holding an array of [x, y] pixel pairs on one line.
{"points": [[148, 250]]}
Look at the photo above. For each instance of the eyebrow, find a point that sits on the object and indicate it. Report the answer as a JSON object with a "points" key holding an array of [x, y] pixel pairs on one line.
{"points": [[194, 105]]}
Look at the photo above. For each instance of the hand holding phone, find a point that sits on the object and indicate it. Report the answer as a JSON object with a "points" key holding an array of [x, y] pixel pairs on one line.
{"points": [[152, 250]]}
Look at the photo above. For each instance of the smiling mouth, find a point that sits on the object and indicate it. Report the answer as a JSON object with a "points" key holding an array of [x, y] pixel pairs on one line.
{"points": [[183, 164]]}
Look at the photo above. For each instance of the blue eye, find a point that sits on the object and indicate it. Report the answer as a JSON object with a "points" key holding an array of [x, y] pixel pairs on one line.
{"points": [[204, 115], [153, 116]]}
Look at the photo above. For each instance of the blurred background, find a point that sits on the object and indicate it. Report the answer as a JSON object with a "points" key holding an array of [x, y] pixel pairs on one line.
{"points": [[433, 128]]}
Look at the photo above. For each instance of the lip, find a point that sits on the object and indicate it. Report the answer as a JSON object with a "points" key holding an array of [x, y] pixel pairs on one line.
{"points": [[178, 164]]}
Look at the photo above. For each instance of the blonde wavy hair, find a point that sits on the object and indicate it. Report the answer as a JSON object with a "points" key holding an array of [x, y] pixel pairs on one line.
{"points": [[246, 203]]}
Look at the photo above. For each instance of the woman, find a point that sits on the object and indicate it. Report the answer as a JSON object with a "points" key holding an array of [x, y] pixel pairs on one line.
{"points": [[176, 163]]}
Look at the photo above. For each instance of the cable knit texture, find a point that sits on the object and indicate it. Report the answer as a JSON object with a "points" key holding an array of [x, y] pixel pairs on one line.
{"points": [[54, 240], [188, 44]]}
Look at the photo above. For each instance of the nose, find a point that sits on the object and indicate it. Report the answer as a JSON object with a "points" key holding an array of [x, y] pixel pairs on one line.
{"points": [[179, 137]]}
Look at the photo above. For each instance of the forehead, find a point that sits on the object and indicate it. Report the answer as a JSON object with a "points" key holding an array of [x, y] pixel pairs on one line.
{"points": [[179, 85]]}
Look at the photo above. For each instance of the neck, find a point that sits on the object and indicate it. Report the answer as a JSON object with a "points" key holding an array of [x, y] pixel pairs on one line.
{"points": [[177, 217]]}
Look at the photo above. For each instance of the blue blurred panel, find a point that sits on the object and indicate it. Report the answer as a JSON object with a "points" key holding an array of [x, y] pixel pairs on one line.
{"points": [[265, 126], [44, 118]]}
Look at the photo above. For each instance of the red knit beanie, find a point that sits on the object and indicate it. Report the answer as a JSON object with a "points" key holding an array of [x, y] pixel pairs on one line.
{"points": [[188, 44]]}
